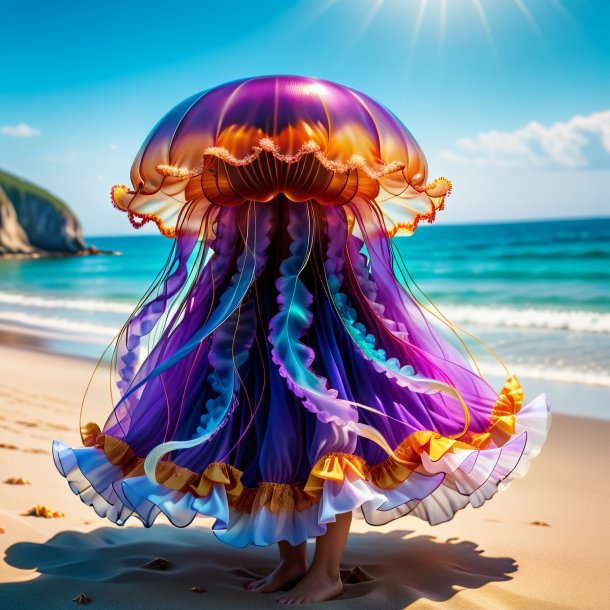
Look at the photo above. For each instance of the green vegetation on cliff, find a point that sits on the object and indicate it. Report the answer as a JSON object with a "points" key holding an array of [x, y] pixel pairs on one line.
{"points": [[17, 190]]}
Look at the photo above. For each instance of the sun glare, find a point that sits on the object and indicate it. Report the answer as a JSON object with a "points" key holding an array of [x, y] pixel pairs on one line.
{"points": [[480, 7], [443, 9]]}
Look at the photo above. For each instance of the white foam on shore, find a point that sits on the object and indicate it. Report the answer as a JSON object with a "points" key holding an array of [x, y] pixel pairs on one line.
{"points": [[89, 305], [77, 330], [500, 317], [55, 325], [508, 317], [546, 373], [24, 315]]}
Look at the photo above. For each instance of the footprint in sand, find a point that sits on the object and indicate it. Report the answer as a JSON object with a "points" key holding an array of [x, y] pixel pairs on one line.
{"points": [[15, 448], [17, 481], [28, 424], [57, 427]]}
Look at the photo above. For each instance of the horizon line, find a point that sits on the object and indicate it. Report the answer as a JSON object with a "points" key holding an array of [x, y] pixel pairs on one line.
{"points": [[436, 224]]}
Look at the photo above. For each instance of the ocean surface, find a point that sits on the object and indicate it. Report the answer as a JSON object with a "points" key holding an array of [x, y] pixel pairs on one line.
{"points": [[538, 293]]}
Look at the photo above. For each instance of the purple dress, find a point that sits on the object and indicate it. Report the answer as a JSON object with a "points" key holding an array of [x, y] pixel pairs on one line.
{"points": [[278, 373]]}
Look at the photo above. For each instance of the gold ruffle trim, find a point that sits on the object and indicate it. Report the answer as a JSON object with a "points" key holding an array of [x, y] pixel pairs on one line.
{"points": [[437, 191], [335, 466], [138, 219], [268, 145]]}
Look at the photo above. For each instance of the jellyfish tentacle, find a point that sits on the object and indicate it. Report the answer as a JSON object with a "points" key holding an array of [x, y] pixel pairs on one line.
{"points": [[229, 351], [145, 320], [180, 288], [250, 264], [293, 357], [252, 258], [377, 241], [369, 288], [403, 375], [213, 267], [418, 333]]}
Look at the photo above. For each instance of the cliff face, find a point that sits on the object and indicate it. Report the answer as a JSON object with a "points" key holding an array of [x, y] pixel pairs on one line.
{"points": [[13, 239], [32, 219]]}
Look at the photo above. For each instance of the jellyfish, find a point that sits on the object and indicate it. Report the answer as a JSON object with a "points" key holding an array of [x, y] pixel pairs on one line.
{"points": [[278, 372]]}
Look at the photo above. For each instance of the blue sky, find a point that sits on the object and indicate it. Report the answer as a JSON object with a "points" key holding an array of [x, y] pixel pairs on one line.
{"points": [[508, 98]]}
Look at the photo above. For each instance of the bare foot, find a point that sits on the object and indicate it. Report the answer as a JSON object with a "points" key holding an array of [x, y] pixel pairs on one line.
{"points": [[285, 573], [316, 586]]}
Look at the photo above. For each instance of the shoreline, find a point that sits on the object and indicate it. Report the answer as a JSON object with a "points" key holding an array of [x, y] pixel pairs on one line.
{"points": [[40, 254], [567, 397], [543, 543]]}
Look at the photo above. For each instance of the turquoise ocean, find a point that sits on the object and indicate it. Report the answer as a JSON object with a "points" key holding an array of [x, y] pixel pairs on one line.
{"points": [[538, 293]]}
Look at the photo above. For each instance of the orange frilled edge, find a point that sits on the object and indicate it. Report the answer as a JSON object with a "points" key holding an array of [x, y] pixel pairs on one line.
{"points": [[334, 466], [226, 180]]}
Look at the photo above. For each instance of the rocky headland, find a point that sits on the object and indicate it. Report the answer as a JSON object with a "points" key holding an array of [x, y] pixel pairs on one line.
{"points": [[34, 223]]}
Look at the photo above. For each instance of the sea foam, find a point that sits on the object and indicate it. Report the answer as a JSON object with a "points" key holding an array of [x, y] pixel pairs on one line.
{"points": [[54, 325], [508, 317], [88, 305]]}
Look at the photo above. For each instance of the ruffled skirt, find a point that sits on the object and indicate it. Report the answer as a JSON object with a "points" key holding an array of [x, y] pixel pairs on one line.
{"points": [[324, 393]]}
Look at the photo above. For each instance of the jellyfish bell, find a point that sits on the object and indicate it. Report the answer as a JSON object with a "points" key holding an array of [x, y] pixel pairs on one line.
{"points": [[258, 138]]}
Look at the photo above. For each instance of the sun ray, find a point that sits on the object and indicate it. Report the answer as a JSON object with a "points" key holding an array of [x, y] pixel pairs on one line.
{"points": [[486, 28], [564, 11], [376, 7], [442, 29], [526, 13], [418, 21], [362, 28]]}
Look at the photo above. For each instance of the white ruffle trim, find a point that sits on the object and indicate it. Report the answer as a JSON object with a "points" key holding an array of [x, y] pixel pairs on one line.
{"points": [[435, 492]]}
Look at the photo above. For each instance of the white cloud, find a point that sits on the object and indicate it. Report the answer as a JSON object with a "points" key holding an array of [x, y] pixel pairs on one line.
{"points": [[581, 142], [23, 130]]}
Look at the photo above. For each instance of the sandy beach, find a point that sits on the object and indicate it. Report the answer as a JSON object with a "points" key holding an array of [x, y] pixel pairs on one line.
{"points": [[544, 543]]}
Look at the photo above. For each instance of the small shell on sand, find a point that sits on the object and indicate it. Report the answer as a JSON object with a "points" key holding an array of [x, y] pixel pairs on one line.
{"points": [[82, 599], [354, 576], [17, 481], [159, 563], [2, 530], [541, 523], [44, 511]]}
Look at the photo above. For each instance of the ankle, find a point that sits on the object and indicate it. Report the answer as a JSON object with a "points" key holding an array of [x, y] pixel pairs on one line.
{"points": [[293, 561], [330, 572], [298, 563], [293, 555]]}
